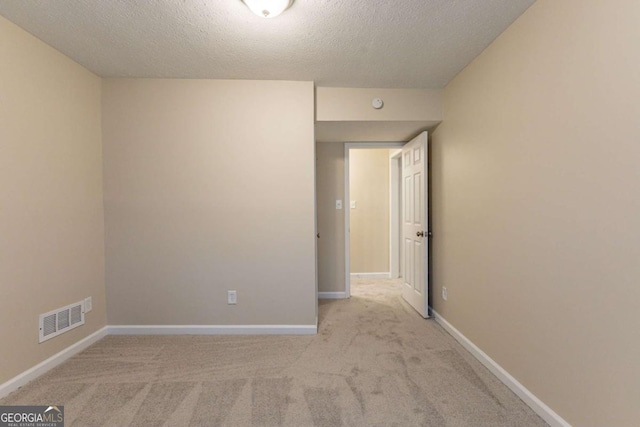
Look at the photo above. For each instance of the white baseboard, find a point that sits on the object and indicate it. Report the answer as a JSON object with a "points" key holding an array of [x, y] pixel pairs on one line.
{"points": [[332, 295], [538, 406], [386, 275], [31, 374], [213, 329]]}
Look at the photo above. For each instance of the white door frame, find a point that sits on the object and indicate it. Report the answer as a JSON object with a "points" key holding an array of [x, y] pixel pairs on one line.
{"points": [[347, 203]]}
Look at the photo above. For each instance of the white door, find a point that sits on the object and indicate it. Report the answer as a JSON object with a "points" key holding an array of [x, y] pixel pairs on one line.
{"points": [[414, 223]]}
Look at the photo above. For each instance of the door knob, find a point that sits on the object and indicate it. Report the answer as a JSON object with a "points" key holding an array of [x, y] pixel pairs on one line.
{"points": [[420, 234]]}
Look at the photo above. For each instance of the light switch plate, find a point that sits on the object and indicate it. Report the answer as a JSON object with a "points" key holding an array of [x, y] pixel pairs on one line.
{"points": [[338, 204], [232, 297], [353, 204]]}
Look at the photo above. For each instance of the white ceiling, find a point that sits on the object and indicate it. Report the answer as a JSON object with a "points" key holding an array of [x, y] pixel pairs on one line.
{"points": [[349, 43]]}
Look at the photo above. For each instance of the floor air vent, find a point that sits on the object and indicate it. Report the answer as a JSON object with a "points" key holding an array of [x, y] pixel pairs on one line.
{"points": [[61, 320]]}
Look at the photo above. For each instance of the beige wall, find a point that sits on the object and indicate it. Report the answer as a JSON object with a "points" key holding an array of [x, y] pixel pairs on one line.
{"points": [[369, 221], [536, 190], [51, 217], [401, 105], [330, 187], [209, 187]]}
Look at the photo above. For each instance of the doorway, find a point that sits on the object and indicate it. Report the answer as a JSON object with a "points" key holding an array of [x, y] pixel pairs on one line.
{"points": [[372, 236]]}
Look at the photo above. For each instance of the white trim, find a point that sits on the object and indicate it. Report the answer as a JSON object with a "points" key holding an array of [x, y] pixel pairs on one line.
{"points": [[538, 406], [347, 203], [316, 234], [332, 295], [32, 373], [213, 329], [386, 275], [396, 154]]}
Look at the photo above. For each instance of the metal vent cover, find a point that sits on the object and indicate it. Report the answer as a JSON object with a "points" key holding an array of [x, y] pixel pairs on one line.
{"points": [[61, 320], [49, 325], [76, 315]]}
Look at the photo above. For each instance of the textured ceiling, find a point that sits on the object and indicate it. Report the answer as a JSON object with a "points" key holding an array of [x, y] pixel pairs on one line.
{"points": [[350, 43]]}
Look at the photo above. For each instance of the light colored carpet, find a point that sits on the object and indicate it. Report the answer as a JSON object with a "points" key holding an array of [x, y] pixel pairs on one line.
{"points": [[374, 362]]}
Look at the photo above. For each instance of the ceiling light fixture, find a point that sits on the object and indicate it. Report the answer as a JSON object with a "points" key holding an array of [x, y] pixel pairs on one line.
{"points": [[268, 8]]}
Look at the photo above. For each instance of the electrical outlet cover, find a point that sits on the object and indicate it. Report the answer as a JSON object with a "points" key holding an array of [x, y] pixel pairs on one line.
{"points": [[88, 305]]}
